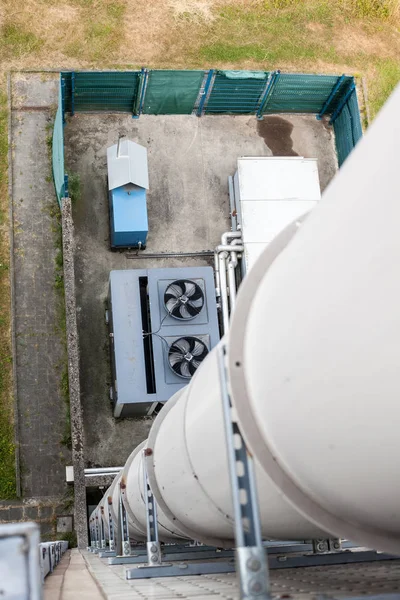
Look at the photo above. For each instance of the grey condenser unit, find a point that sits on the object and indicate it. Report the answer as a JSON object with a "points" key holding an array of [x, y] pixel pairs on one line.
{"points": [[162, 324]]}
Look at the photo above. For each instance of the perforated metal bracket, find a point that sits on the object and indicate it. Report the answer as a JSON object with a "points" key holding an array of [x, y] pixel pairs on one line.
{"points": [[153, 544], [111, 529], [123, 542], [97, 532], [102, 529], [251, 561]]}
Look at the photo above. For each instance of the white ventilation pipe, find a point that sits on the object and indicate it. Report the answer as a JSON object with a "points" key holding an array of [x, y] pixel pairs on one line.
{"points": [[133, 480], [313, 365]]}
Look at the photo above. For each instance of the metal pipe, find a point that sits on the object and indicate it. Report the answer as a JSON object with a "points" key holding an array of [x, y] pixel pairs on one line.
{"points": [[216, 275], [229, 235], [222, 256], [232, 264], [204, 253], [229, 248], [103, 470], [220, 281]]}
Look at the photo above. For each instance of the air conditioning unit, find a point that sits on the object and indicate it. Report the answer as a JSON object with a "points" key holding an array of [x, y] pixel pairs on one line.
{"points": [[268, 193], [162, 324]]}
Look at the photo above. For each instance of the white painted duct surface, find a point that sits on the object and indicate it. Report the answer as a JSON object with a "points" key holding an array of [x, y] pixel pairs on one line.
{"points": [[317, 392], [314, 373], [133, 479], [189, 469]]}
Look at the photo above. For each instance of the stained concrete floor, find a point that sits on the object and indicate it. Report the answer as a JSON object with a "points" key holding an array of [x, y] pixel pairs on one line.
{"points": [[190, 160], [40, 356]]}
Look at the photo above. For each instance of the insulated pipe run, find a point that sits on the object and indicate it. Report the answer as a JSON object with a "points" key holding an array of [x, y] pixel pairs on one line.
{"points": [[228, 235], [313, 363], [222, 256], [232, 283], [232, 264]]}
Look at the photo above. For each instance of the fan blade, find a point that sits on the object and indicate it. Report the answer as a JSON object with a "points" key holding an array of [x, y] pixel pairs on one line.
{"points": [[197, 293], [195, 363], [184, 369], [185, 314], [182, 345], [175, 289], [175, 358], [197, 303], [197, 349], [190, 288], [171, 304]]}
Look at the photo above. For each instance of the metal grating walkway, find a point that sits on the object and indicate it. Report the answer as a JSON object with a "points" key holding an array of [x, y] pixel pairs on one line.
{"points": [[343, 581]]}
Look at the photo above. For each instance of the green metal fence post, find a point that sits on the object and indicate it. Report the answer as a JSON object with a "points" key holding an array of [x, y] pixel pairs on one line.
{"points": [[65, 186], [267, 93], [63, 100], [72, 93], [342, 103], [139, 100], [206, 92], [331, 96]]}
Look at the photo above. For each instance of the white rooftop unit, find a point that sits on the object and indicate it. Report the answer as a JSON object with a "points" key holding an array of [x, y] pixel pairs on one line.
{"points": [[127, 163], [269, 194]]}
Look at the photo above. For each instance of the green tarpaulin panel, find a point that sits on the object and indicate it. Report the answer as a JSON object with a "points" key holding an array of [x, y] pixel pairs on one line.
{"points": [[172, 92], [109, 91], [348, 130], [302, 93], [232, 94], [244, 74], [58, 151]]}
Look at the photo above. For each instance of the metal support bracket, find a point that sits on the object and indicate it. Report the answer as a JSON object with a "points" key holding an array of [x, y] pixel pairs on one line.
{"points": [[123, 542], [180, 570], [251, 560], [97, 533], [102, 529], [173, 552], [139, 559], [111, 529], [328, 545], [153, 544]]}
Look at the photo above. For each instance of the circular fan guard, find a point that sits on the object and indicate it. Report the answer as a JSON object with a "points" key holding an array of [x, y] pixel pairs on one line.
{"points": [[185, 356], [183, 299]]}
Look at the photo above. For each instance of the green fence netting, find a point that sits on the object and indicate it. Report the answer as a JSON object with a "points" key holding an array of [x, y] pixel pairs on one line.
{"points": [[58, 151], [172, 92], [348, 130], [236, 92], [221, 92], [301, 93], [109, 91]]}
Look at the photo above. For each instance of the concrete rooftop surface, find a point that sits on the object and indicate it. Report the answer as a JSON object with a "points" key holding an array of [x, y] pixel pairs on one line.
{"points": [[189, 160]]}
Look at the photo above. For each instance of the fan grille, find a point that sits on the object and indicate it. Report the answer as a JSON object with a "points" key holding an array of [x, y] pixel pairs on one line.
{"points": [[184, 299], [185, 355]]}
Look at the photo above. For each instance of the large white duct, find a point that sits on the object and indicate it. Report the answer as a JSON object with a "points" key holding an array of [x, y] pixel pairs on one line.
{"points": [[133, 480], [313, 371]]}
